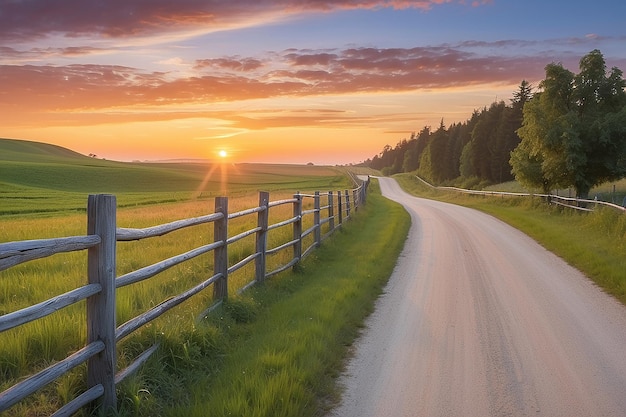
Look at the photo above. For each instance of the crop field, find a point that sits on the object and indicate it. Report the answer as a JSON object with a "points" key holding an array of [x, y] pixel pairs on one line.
{"points": [[43, 194]]}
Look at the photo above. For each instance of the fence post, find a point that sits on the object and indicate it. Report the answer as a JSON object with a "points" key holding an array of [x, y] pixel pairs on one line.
{"points": [[261, 236], [364, 186], [316, 219], [101, 322], [347, 204], [297, 227], [355, 199], [220, 255], [331, 215], [339, 207]]}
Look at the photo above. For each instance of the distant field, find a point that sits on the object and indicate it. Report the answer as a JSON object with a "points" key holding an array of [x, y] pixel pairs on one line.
{"points": [[38, 178]]}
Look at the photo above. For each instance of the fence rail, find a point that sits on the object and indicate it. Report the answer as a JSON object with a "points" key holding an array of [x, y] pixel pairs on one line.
{"points": [[569, 202], [103, 332]]}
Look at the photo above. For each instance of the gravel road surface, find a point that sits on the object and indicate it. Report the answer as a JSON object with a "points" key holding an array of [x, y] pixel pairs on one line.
{"points": [[479, 320]]}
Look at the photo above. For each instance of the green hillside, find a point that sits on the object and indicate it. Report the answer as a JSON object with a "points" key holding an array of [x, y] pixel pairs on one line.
{"points": [[27, 151], [41, 178], [51, 167]]}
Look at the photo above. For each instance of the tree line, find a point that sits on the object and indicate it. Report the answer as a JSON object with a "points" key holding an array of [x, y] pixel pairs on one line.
{"points": [[571, 132]]}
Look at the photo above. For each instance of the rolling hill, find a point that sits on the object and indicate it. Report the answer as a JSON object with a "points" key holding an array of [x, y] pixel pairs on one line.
{"points": [[51, 167], [42, 178], [28, 151]]}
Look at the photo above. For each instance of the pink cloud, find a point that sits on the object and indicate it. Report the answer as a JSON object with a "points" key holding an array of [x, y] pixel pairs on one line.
{"points": [[23, 20], [230, 63], [293, 73]]}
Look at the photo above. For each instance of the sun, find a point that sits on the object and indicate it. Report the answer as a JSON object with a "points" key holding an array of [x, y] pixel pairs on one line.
{"points": [[222, 153]]}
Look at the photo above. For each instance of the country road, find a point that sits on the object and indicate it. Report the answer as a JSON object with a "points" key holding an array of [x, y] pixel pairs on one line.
{"points": [[480, 320]]}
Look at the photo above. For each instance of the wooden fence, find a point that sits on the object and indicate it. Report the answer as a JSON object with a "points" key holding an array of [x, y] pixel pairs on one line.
{"points": [[569, 202], [103, 333]]}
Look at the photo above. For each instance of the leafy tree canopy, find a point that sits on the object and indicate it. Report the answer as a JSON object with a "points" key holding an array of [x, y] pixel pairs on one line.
{"points": [[574, 130]]}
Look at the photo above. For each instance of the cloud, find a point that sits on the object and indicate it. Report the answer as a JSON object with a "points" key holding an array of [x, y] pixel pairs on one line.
{"points": [[95, 93], [229, 63], [298, 73], [82, 94], [31, 20], [10, 55]]}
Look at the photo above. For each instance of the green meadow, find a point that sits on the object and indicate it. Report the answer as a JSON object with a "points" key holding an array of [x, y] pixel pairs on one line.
{"points": [[43, 194], [38, 178]]}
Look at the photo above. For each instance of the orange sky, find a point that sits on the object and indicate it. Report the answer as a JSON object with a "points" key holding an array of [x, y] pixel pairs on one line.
{"points": [[328, 82], [352, 129]]}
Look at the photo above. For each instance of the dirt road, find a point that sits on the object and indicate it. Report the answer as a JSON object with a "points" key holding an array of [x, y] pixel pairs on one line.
{"points": [[480, 320]]}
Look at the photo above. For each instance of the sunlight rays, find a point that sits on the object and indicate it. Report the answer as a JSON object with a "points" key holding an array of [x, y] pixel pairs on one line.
{"points": [[218, 167]]}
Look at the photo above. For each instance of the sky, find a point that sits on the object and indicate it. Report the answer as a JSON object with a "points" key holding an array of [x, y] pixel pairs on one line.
{"points": [[305, 81]]}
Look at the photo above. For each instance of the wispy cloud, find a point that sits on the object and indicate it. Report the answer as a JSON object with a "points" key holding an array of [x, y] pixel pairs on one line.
{"points": [[229, 64], [292, 72], [29, 20]]}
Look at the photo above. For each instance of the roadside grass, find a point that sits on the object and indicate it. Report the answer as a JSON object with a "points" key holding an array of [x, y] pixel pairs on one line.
{"points": [[612, 192], [277, 349], [594, 243]]}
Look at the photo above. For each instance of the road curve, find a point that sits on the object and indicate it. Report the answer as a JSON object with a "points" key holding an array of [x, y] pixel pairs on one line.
{"points": [[479, 320]]}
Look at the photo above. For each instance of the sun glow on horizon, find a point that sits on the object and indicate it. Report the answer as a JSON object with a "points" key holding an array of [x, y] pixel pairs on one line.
{"points": [[222, 153]]}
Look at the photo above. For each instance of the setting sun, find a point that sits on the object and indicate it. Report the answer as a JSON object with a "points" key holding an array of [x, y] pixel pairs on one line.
{"points": [[222, 153]]}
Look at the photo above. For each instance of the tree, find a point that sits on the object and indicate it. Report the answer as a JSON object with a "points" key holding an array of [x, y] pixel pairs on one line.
{"points": [[528, 168], [575, 127], [522, 95]]}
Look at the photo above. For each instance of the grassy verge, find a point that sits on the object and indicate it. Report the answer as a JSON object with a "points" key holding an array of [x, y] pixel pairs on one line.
{"points": [[594, 242], [277, 349]]}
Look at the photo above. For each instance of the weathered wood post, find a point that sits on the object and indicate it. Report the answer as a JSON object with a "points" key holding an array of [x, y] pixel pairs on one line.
{"points": [[317, 233], [339, 207], [297, 227], [347, 204], [101, 321], [220, 255], [331, 215], [261, 236], [364, 186], [355, 199]]}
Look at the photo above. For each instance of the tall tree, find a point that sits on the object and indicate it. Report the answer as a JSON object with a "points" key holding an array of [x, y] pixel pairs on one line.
{"points": [[528, 170], [523, 94], [575, 127], [437, 148]]}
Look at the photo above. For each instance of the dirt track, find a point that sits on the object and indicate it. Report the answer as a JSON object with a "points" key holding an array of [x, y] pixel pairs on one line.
{"points": [[480, 320]]}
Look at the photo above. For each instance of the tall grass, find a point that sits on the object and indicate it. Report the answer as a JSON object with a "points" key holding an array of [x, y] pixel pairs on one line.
{"points": [[32, 347]]}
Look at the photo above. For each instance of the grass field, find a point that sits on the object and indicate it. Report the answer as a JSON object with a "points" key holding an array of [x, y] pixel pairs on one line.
{"points": [[43, 194], [37, 178]]}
